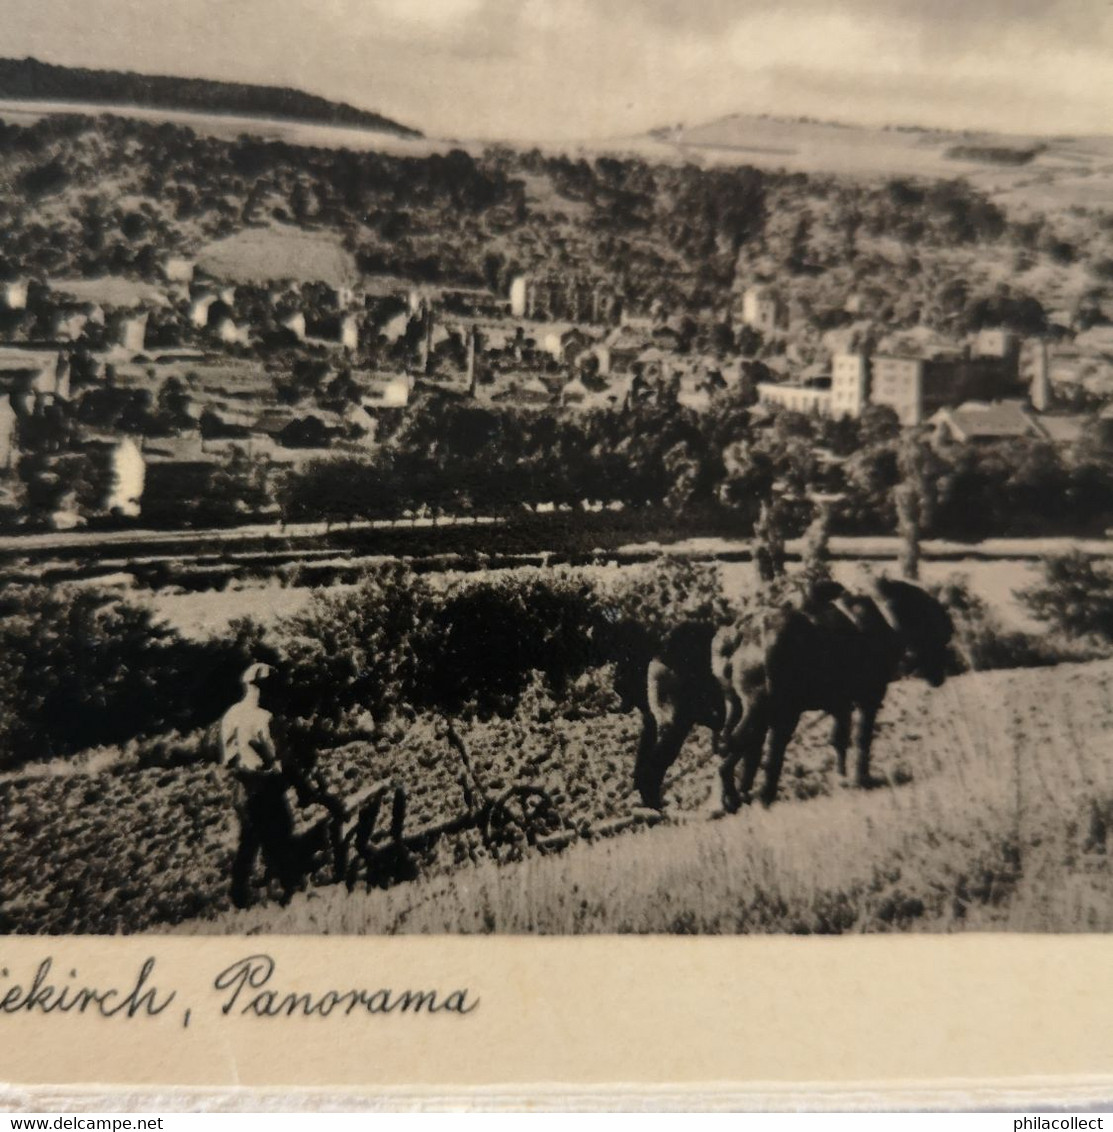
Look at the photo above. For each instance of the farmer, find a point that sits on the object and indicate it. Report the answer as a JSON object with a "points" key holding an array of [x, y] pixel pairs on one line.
{"points": [[263, 774]]}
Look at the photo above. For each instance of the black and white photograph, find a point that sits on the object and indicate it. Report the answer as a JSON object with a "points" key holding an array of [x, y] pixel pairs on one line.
{"points": [[556, 468]]}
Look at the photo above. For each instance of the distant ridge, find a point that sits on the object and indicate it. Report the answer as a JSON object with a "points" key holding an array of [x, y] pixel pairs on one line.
{"points": [[809, 145], [30, 80]]}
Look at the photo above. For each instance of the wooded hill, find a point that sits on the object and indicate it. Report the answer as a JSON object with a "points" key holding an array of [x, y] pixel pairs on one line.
{"points": [[28, 79]]}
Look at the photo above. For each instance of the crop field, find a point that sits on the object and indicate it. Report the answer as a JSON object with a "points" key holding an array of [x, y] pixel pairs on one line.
{"points": [[116, 848], [994, 808], [995, 814]]}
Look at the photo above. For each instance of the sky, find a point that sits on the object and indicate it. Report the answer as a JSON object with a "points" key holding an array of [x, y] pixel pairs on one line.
{"points": [[562, 69]]}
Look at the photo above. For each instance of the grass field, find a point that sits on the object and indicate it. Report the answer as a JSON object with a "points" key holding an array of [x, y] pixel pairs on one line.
{"points": [[260, 255]]}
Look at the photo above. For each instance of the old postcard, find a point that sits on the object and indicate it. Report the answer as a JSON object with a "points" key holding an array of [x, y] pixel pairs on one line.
{"points": [[556, 546]]}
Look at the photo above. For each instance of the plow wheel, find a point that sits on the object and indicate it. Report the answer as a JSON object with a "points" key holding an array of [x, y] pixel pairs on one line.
{"points": [[516, 820]]}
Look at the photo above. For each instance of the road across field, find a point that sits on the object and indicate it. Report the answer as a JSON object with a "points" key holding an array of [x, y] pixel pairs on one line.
{"points": [[888, 546], [196, 542]]}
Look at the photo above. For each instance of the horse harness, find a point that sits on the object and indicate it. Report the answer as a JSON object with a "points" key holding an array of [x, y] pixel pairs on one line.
{"points": [[853, 617]]}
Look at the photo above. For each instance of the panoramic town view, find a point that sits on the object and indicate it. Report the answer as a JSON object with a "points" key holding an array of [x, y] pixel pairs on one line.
{"points": [[704, 529]]}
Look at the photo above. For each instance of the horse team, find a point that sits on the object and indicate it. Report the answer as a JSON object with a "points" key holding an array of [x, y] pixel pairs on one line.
{"points": [[751, 681]]}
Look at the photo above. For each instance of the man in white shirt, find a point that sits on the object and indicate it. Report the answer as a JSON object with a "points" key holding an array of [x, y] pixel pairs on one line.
{"points": [[264, 774]]}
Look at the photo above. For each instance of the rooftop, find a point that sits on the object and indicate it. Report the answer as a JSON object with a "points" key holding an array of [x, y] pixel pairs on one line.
{"points": [[998, 420]]}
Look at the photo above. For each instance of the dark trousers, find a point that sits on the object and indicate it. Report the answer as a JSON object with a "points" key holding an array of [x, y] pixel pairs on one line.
{"points": [[267, 827]]}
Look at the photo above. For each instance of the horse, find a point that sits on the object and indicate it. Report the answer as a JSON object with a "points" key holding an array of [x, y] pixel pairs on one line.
{"points": [[680, 690], [664, 676], [838, 654]]}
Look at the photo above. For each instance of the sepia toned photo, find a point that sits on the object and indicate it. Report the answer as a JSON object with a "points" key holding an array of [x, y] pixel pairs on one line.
{"points": [[491, 467]]}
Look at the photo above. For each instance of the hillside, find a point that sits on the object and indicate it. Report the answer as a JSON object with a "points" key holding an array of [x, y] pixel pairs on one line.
{"points": [[1039, 172], [675, 233], [30, 80]]}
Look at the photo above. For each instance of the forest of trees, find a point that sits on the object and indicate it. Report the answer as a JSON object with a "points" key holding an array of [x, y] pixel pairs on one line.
{"points": [[31, 80], [673, 234]]}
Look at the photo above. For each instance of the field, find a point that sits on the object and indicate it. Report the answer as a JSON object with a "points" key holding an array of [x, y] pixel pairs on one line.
{"points": [[199, 613], [115, 847], [1060, 172], [260, 255], [996, 812], [996, 817]]}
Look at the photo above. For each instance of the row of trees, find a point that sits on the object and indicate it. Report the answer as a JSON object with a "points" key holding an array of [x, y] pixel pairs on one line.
{"points": [[713, 469]]}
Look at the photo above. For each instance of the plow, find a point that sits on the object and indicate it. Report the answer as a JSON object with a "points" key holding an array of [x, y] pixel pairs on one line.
{"points": [[382, 848]]}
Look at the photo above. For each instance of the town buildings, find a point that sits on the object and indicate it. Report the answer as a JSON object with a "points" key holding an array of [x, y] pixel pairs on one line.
{"points": [[914, 387], [178, 269], [898, 382], [283, 373], [556, 297], [131, 332], [1035, 369], [979, 422], [126, 479], [850, 384], [8, 434], [761, 309], [13, 295]]}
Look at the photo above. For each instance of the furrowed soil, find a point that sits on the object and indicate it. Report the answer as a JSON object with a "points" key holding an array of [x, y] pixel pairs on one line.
{"points": [[996, 814]]}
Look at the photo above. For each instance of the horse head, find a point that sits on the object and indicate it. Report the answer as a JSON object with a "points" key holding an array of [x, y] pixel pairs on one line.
{"points": [[614, 638], [924, 625]]}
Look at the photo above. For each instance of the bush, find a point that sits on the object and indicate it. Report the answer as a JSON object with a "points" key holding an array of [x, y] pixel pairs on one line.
{"points": [[1076, 596], [354, 648], [105, 674], [669, 592], [480, 645], [981, 642], [402, 644], [81, 668]]}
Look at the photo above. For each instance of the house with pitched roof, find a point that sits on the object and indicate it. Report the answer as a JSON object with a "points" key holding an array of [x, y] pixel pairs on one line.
{"points": [[982, 422]]}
